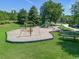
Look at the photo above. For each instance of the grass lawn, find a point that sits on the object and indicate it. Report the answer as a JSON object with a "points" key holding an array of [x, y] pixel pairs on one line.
{"points": [[64, 28], [51, 49]]}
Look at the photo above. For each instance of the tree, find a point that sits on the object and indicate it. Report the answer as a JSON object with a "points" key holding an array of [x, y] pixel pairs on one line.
{"points": [[22, 16], [4, 17], [50, 12], [75, 12], [65, 19], [33, 15], [13, 15]]}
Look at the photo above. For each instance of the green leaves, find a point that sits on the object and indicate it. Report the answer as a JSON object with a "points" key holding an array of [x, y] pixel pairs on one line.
{"points": [[33, 15], [4, 17], [75, 12], [13, 15], [50, 12], [22, 16]]}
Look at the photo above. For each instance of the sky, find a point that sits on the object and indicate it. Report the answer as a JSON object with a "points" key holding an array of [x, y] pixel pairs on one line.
{"points": [[8, 5]]}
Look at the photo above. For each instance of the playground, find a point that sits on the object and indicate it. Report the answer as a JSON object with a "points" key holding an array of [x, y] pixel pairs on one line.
{"points": [[24, 35]]}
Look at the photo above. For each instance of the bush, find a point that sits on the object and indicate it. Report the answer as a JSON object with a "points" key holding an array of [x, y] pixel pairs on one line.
{"points": [[4, 22]]}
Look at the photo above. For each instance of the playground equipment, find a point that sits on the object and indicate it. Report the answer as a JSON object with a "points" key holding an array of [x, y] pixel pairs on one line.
{"points": [[28, 29]]}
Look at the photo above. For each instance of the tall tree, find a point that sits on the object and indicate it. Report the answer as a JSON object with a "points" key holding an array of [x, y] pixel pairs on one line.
{"points": [[50, 12], [75, 12], [4, 17], [22, 16], [13, 15], [33, 15]]}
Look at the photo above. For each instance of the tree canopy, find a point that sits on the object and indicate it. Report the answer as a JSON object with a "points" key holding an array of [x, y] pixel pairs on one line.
{"points": [[50, 12], [75, 12], [22, 16], [4, 17], [13, 15], [33, 15]]}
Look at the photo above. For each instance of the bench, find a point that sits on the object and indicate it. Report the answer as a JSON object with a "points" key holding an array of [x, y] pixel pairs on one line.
{"points": [[69, 34]]}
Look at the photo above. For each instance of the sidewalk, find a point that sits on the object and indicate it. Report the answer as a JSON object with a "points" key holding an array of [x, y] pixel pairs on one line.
{"points": [[67, 26]]}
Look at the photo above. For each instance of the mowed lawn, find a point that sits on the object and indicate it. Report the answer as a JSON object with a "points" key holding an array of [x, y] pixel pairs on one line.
{"points": [[51, 49]]}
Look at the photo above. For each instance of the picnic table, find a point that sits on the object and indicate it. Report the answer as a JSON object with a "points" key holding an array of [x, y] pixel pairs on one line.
{"points": [[70, 34]]}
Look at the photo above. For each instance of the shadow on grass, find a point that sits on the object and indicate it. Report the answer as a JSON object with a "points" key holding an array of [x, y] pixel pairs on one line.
{"points": [[29, 41], [70, 46]]}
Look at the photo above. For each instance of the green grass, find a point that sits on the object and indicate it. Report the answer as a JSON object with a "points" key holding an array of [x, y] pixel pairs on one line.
{"points": [[51, 49], [64, 28]]}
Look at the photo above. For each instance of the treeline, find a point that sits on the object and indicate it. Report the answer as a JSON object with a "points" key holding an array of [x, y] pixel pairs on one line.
{"points": [[75, 13], [72, 19], [50, 12], [20, 17], [8, 17]]}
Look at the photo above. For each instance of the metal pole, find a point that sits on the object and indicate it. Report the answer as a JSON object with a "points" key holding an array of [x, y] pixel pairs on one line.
{"points": [[30, 28]]}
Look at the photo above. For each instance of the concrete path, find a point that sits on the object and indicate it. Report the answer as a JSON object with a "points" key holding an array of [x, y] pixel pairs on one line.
{"points": [[67, 26]]}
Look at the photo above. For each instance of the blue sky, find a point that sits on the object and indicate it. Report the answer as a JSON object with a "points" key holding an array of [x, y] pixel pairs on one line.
{"points": [[9, 5]]}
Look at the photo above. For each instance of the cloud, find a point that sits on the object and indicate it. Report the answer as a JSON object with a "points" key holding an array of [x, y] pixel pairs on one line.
{"points": [[29, 1]]}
